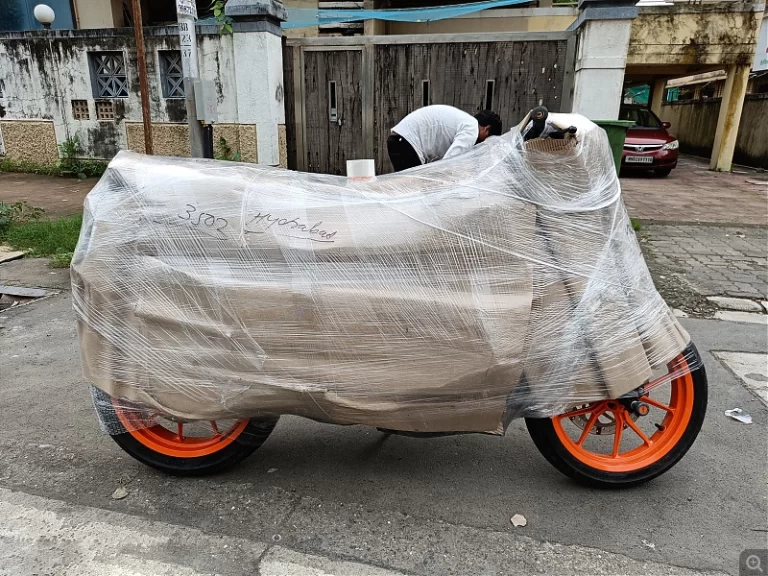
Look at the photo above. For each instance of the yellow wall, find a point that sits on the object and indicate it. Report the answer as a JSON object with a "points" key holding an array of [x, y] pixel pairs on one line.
{"points": [[300, 32], [173, 139], [485, 23], [99, 13], [694, 35]]}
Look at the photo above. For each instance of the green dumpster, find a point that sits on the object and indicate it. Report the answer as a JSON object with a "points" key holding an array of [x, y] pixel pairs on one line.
{"points": [[617, 132]]}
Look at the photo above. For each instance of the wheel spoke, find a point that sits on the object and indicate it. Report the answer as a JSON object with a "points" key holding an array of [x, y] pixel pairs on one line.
{"points": [[581, 411], [180, 430], [619, 427], [652, 402], [590, 424], [639, 432], [215, 428]]}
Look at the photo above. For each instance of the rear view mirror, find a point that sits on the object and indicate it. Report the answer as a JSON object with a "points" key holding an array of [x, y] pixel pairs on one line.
{"points": [[666, 124]]}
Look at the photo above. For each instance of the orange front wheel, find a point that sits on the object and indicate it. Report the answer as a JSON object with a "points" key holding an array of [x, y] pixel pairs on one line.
{"points": [[627, 441]]}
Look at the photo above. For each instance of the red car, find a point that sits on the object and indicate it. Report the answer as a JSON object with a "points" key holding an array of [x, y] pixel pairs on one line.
{"points": [[648, 145]]}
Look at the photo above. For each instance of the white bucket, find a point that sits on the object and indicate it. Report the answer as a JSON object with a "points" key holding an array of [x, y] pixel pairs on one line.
{"points": [[361, 169]]}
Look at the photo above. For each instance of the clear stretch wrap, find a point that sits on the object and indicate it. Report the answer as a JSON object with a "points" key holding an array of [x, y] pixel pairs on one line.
{"points": [[451, 297]]}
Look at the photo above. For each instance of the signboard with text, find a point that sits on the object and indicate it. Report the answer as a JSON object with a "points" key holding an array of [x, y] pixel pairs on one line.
{"points": [[186, 8]]}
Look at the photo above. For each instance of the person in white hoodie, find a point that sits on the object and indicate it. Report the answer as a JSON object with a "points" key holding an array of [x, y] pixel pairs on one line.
{"points": [[435, 132]]}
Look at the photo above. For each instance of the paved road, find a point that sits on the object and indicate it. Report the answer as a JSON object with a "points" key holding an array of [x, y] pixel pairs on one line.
{"points": [[346, 500]]}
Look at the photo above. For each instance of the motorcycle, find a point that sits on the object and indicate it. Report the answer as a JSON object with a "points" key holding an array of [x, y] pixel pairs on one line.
{"points": [[451, 298]]}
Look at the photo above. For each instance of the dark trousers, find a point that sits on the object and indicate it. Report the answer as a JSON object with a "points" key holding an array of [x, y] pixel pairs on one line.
{"points": [[401, 153]]}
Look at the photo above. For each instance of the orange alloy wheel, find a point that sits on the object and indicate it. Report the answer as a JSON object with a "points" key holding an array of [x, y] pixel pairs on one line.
{"points": [[653, 447], [164, 441]]}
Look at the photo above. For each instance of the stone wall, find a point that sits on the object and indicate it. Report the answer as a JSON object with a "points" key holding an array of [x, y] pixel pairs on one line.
{"points": [[29, 141], [694, 123], [173, 139]]}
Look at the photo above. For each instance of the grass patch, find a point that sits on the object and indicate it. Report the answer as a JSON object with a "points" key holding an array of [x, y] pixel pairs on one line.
{"points": [[56, 238], [66, 168], [61, 260], [636, 226], [7, 165]]}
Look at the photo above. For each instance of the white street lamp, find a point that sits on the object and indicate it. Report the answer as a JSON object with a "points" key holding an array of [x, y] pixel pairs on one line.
{"points": [[45, 15]]}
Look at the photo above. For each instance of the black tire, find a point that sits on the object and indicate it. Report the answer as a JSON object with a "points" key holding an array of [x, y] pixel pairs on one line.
{"points": [[248, 441], [545, 438], [663, 172]]}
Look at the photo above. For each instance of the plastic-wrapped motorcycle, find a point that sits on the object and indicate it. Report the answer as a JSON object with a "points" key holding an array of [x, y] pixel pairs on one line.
{"points": [[212, 298]]}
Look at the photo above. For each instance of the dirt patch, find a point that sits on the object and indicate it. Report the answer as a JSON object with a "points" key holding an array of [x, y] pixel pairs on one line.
{"points": [[57, 196]]}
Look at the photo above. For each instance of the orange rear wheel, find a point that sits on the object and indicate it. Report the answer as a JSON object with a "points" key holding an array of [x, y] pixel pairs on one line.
{"points": [[162, 440], [180, 448]]}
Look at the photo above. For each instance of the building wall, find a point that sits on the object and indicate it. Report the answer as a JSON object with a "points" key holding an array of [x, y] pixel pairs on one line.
{"points": [[173, 139], [687, 34], [99, 13], [694, 124], [512, 20], [41, 74]]}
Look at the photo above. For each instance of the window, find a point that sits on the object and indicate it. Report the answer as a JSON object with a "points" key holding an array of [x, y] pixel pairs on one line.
{"points": [[642, 117], [171, 73], [108, 76], [80, 110], [489, 87], [105, 110], [425, 92]]}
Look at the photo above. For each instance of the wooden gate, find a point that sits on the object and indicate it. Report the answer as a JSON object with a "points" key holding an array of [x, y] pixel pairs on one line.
{"points": [[344, 95], [327, 118]]}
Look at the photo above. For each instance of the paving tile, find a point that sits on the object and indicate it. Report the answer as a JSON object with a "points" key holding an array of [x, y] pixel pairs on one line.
{"points": [[739, 304], [747, 317]]}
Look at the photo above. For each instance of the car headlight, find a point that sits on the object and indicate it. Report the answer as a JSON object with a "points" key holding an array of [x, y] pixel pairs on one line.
{"points": [[674, 145]]}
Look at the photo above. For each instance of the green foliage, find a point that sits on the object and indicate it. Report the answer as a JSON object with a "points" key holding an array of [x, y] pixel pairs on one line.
{"points": [[8, 165], [20, 212], [636, 226], [224, 21], [224, 151], [72, 164], [45, 237], [61, 260], [22, 227]]}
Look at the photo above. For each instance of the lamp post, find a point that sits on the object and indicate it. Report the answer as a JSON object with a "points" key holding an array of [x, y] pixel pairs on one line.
{"points": [[45, 15]]}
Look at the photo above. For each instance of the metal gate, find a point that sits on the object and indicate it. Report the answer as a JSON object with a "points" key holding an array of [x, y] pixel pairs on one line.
{"points": [[345, 94]]}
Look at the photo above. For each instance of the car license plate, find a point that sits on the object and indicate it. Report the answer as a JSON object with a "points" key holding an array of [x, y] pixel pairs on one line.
{"points": [[639, 159]]}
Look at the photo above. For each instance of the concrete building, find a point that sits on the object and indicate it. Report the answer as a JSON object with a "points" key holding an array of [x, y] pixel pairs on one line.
{"points": [[81, 81]]}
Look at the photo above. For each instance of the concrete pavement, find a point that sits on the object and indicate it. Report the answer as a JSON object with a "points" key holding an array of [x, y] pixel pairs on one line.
{"points": [[317, 494], [693, 194]]}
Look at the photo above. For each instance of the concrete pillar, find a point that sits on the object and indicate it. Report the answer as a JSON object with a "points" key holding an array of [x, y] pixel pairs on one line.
{"points": [[258, 60], [657, 95], [728, 120], [603, 29]]}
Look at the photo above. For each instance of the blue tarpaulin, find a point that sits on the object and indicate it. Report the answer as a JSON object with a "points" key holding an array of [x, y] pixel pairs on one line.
{"points": [[301, 17]]}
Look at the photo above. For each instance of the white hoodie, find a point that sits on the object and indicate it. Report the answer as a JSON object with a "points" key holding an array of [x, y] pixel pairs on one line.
{"points": [[438, 131]]}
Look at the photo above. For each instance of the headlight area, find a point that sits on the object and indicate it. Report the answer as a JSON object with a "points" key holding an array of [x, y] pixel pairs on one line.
{"points": [[674, 145]]}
